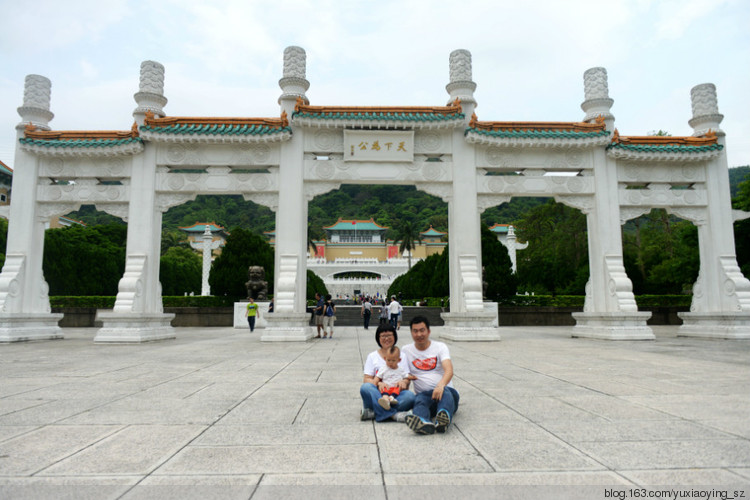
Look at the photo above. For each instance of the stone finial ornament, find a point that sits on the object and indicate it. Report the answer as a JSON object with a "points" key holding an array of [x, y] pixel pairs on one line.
{"points": [[152, 77], [460, 66], [461, 86], [294, 84], [706, 116], [295, 62], [595, 84], [150, 96], [37, 91], [596, 92]]}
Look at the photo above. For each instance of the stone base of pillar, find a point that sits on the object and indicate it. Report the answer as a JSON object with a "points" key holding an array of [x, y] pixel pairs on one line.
{"points": [[287, 327], [471, 326], [726, 325], [240, 320], [613, 326], [24, 327], [133, 327]]}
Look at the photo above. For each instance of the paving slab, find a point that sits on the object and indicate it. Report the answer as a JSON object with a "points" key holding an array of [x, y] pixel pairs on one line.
{"points": [[215, 413]]}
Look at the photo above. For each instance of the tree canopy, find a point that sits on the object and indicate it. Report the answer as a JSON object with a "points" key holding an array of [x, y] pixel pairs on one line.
{"points": [[243, 249]]}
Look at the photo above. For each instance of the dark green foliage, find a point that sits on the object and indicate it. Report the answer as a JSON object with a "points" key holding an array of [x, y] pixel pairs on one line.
{"points": [[660, 253], [89, 215], [84, 260], [315, 285], [425, 279], [556, 260], [736, 176], [227, 211], [180, 272], [242, 250], [97, 302], [197, 301], [498, 269], [3, 239], [742, 227], [511, 212]]}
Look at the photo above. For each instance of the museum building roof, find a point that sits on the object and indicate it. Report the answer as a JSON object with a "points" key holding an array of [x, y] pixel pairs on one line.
{"points": [[359, 225]]}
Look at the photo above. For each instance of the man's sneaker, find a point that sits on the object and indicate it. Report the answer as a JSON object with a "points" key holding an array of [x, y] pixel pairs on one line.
{"points": [[443, 420], [400, 416], [385, 403], [367, 414], [420, 426]]}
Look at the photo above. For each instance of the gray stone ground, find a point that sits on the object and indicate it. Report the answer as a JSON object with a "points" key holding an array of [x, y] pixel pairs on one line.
{"points": [[218, 414]]}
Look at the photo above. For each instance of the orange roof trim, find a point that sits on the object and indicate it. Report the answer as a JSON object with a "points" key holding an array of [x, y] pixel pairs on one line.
{"points": [[31, 132], [571, 126], [454, 107], [665, 140], [152, 121]]}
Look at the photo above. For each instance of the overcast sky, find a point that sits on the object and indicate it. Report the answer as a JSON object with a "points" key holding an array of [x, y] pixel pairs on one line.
{"points": [[224, 58]]}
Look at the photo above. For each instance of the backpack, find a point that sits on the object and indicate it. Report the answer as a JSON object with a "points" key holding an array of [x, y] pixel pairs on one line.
{"points": [[329, 310]]}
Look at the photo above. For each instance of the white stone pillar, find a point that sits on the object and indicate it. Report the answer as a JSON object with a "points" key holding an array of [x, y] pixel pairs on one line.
{"points": [[289, 321], [511, 243], [721, 296], [138, 315], [610, 311], [207, 250], [469, 317], [25, 312]]}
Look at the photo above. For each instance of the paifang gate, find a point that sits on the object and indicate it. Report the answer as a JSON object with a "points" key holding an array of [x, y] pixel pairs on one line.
{"points": [[285, 161]]}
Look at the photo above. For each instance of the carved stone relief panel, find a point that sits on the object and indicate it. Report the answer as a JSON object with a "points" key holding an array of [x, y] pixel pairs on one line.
{"points": [[583, 203], [442, 190], [683, 173], [656, 197], [324, 140], [432, 142]]}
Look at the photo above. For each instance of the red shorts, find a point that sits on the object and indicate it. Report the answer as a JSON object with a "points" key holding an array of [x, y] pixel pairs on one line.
{"points": [[393, 391]]}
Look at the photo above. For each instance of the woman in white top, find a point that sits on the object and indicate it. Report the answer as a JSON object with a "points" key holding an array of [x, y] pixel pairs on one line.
{"points": [[386, 337]]}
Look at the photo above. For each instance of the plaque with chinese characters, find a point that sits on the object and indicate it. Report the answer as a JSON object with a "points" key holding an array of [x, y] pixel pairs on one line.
{"points": [[378, 145]]}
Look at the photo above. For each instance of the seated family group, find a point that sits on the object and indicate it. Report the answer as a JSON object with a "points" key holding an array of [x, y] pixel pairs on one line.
{"points": [[389, 372]]}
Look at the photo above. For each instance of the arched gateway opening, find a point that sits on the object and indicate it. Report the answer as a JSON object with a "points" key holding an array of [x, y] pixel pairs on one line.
{"points": [[284, 162]]}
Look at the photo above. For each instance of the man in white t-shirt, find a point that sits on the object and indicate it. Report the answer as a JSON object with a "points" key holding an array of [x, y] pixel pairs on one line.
{"points": [[430, 361], [394, 309]]}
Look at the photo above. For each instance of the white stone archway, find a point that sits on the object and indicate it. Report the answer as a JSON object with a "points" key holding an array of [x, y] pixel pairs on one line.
{"points": [[308, 150]]}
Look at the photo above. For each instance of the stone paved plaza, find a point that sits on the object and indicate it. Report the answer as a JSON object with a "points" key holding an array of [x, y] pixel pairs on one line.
{"points": [[218, 414]]}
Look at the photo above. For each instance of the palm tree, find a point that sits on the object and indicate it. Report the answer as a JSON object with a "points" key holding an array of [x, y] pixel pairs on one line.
{"points": [[409, 236]]}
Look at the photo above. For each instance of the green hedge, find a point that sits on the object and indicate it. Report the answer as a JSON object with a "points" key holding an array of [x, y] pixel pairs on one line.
{"points": [[103, 302], [100, 302]]}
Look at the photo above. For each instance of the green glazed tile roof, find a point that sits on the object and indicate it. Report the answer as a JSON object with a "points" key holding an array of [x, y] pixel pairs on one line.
{"points": [[359, 225], [224, 129], [399, 114], [665, 148], [665, 143], [432, 232], [200, 227], [537, 130], [79, 143], [79, 138], [216, 126]]}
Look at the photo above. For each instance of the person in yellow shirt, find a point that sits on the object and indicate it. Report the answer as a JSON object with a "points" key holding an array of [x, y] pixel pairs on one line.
{"points": [[251, 312]]}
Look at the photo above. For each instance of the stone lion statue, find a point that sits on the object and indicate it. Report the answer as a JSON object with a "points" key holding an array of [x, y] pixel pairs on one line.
{"points": [[257, 286]]}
